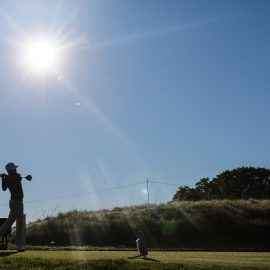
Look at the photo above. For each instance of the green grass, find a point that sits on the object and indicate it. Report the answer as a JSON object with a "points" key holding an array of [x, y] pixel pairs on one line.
{"points": [[115, 260]]}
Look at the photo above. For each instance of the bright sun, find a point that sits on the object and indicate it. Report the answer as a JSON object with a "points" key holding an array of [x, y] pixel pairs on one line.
{"points": [[41, 55]]}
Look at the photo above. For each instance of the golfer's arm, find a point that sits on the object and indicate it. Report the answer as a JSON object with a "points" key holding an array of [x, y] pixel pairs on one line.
{"points": [[4, 184]]}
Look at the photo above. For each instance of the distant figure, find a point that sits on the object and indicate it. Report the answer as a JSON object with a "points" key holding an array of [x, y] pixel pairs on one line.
{"points": [[12, 181], [142, 248], [141, 244], [52, 244]]}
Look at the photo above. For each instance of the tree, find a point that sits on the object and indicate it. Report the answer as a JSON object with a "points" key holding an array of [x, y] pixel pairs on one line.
{"points": [[186, 194], [204, 188], [239, 183]]}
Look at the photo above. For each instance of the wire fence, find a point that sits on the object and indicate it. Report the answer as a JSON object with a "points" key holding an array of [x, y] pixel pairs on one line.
{"points": [[96, 191]]}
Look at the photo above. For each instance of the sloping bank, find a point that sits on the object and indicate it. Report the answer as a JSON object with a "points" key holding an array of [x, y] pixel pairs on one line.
{"points": [[205, 224]]}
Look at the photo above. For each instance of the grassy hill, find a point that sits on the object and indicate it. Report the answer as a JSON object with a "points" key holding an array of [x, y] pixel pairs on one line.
{"points": [[204, 224]]}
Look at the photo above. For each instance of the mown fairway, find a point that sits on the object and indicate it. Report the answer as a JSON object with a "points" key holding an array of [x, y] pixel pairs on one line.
{"points": [[118, 260]]}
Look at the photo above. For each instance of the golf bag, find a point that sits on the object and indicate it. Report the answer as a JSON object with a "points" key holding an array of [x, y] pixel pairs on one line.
{"points": [[4, 238]]}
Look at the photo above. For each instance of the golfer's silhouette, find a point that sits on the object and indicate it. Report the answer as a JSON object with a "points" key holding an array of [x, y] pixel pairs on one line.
{"points": [[141, 244], [12, 181], [142, 248]]}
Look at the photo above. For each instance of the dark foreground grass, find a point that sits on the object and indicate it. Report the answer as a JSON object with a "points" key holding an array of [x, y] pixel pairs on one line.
{"points": [[115, 260]]}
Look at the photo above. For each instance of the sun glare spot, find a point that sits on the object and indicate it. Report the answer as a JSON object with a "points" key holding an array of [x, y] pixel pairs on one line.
{"points": [[41, 55], [144, 191]]}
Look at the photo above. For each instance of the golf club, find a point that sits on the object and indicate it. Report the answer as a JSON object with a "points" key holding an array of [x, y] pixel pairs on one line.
{"points": [[27, 177]]}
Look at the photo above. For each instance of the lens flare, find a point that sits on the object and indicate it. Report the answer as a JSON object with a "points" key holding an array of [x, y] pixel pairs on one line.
{"points": [[144, 191]]}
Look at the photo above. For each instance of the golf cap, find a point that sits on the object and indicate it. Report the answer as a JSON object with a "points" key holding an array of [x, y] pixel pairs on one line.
{"points": [[11, 166]]}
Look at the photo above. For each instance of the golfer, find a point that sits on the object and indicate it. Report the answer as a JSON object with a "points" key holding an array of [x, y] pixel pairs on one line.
{"points": [[12, 181], [141, 244]]}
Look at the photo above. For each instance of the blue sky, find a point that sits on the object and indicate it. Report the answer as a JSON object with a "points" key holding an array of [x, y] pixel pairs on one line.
{"points": [[172, 91]]}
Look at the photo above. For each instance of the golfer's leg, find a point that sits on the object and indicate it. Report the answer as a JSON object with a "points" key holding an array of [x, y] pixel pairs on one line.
{"points": [[138, 245], [20, 225], [23, 239], [10, 220], [20, 231]]}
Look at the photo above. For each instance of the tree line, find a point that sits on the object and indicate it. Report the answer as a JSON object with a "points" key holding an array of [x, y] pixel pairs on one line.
{"points": [[239, 183]]}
